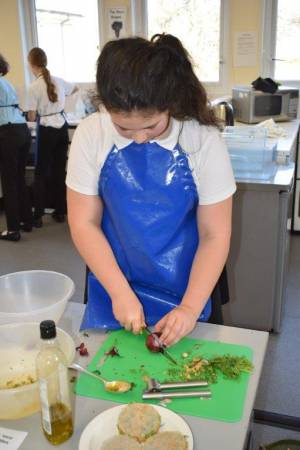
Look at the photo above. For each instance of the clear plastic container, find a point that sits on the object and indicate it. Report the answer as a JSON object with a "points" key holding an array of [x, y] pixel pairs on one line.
{"points": [[19, 346], [250, 153], [34, 295]]}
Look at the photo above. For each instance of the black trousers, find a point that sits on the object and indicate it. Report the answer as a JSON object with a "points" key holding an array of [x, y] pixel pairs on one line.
{"points": [[51, 163], [15, 141]]}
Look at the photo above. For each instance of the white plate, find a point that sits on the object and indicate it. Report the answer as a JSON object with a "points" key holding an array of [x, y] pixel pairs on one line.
{"points": [[104, 426]]}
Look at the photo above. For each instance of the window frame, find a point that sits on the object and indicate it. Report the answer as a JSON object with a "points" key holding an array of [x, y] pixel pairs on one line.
{"points": [[139, 28], [269, 32], [30, 35]]}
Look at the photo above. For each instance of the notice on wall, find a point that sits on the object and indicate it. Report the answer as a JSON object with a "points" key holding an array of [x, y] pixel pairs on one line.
{"points": [[245, 49], [117, 22], [11, 439]]}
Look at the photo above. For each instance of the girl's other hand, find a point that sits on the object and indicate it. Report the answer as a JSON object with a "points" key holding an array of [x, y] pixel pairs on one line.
{"points": [[176, 324], [129, 312]]}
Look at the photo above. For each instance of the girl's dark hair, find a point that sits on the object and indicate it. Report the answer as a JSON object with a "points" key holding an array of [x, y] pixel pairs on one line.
{"points": [[4, 66], [138, 74], [37, 57]]}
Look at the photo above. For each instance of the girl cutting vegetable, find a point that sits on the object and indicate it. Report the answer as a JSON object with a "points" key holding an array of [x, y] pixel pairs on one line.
{"points": [[150, 190]]}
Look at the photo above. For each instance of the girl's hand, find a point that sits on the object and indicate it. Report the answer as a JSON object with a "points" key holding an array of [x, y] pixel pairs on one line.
{"points": [[176, 324], [129, 312]]}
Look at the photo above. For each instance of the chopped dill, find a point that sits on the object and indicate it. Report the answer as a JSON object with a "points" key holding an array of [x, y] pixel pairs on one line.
{"points": [[198, 368]]}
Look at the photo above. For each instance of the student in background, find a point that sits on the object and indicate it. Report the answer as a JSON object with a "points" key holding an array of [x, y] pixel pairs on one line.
{"points": [[46, 105], [15, 143]]}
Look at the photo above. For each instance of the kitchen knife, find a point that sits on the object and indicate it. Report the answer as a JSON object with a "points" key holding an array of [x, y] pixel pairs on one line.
{"points": [[164, 350]]}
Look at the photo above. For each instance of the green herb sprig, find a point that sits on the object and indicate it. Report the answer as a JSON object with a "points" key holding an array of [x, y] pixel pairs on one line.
{"points": [[229, 366]]}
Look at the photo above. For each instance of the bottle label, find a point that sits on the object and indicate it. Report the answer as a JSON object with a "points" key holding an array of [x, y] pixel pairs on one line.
{"points": [[45, 407]]}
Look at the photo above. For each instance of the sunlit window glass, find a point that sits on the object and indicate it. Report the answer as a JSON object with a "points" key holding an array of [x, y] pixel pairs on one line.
{"points": [[197, 24], [287, 59], [68, 32]]}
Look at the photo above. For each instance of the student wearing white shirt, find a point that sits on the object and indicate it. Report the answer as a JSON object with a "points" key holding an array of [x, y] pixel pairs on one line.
{"points": [[46, 102], [150, 189]]}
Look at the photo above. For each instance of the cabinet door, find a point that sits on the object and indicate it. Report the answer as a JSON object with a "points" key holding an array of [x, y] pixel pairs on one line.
{"points": [[297, 206]]}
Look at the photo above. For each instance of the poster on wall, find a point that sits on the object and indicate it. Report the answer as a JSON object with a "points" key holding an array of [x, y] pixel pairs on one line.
{"points": [[245, 49], [117, 22]]}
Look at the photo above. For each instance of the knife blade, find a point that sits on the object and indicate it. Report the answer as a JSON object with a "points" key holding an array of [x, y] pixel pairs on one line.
{"points": [[164, 350]]}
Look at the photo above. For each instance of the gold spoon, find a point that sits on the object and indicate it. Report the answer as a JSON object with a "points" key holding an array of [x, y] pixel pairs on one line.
{"points": [[118, 387]]}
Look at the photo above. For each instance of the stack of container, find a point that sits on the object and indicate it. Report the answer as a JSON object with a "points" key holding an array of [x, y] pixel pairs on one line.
{"points": [[253, 156]]}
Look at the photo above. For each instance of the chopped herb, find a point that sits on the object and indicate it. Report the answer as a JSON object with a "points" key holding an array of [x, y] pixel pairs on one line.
{"points": [[198, 368], [232, 366]]}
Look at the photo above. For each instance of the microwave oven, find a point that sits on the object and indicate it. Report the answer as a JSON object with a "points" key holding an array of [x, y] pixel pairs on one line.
{"points": [[251, 106]]}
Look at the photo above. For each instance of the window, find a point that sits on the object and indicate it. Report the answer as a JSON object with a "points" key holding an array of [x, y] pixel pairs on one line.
{"points": [[287, 53], [281, 56], [197, 23], [62, 27]]}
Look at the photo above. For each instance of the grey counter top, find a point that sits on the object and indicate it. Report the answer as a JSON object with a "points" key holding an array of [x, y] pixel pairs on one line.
{"points": [[281, 181], [208, 434], [283, 175]]}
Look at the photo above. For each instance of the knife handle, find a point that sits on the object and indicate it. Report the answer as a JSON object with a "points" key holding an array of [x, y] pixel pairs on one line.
{"points": [[179, 394]]}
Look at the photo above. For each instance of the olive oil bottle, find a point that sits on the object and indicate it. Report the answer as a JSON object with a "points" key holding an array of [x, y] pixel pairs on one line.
{"points": [[52, 371]]}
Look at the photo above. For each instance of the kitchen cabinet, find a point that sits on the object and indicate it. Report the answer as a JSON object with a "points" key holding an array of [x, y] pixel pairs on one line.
{"points": [[258, 259]]}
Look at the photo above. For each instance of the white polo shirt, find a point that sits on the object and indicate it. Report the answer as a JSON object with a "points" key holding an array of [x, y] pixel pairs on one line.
{"points": [[207, 155], [38, 100]]}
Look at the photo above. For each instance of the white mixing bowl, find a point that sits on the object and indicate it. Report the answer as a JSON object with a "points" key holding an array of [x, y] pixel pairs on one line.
{"points": [[19, 346], [34, 295]]}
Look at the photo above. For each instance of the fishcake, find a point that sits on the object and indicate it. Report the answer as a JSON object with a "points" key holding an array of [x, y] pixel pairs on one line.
{"points": [[167, 440], [139, 421], [120, 442]]}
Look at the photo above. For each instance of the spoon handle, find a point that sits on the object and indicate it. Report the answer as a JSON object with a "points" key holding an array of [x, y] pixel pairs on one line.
{"points": [[78, 367]]}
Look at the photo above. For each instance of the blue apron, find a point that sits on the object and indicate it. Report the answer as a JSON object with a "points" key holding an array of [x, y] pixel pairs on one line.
{"points": [[149, 218]]}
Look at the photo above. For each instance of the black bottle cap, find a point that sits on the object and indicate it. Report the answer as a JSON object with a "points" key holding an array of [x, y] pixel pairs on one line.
{"points": [[48, 329]]}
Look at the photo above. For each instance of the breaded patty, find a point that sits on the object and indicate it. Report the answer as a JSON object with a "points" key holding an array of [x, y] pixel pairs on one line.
{"points": [[120, 442], [139, 421], [167, 440]]}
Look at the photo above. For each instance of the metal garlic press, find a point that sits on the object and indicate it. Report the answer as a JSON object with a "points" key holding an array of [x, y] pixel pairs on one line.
{"points": [[158, 390]]}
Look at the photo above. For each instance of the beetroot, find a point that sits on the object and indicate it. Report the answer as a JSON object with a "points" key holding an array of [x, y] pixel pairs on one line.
{"points": [[153, 344]]}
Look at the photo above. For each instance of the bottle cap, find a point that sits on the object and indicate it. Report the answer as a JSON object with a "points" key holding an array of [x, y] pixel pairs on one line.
{"points": [[48, 329]]}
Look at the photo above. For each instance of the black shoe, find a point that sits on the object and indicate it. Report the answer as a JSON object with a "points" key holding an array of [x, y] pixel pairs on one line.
{"points": [[26, 227], [38, 222], [60, 218], [10, 236]]}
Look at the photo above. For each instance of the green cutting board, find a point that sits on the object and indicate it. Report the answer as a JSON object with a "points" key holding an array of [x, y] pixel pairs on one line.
{"points": [[135, 361]]}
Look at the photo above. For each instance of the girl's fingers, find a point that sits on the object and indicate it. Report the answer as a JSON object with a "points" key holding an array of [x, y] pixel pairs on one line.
{"points": [[175, 334], [127, 326], [137, 325], [169, 329], [161, 324]]}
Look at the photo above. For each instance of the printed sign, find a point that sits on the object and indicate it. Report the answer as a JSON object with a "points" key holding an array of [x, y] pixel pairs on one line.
{"points": [[11, 439], [245, 49], [117, 23]]}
